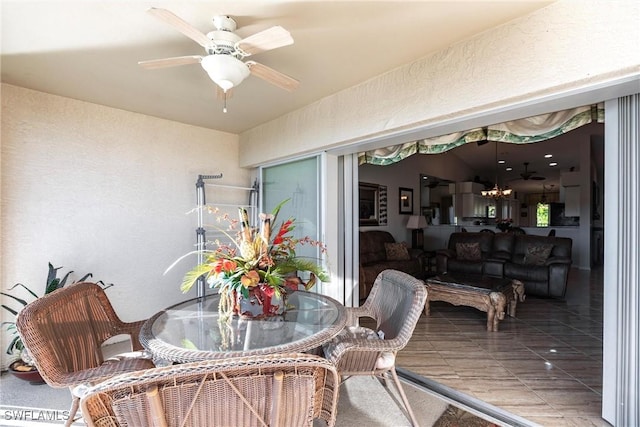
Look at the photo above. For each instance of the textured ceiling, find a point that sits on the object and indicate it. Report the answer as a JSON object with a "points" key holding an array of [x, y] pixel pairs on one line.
{"points": [[88, 50]]}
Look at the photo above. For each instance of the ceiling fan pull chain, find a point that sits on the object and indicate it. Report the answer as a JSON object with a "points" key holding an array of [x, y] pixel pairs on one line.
{"points": [[224, 108]]}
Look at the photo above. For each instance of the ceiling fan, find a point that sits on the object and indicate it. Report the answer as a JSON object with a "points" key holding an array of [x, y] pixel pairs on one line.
{"points": [[225, 52], [530, 175]]}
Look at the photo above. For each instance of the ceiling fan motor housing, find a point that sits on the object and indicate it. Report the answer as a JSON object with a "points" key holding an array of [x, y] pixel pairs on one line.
{"points": [[224, 23], [224, 42]]}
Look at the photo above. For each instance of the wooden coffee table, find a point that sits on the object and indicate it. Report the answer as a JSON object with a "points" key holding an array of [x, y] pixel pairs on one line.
{"points": [[492, 295]]}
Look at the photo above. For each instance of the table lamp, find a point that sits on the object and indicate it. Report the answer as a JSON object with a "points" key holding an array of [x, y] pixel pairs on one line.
{"points": [[416, 223]]}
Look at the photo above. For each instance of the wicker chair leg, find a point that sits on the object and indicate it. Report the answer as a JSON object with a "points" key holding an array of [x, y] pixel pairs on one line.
{"points": [[412, 417], [75, 403]]}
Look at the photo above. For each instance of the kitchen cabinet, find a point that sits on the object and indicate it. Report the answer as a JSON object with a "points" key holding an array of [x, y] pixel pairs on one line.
{"points": [[510, 209], [474, 206]]}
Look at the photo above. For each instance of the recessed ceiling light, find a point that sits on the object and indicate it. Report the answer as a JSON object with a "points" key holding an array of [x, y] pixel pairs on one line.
{"points": [[509, 168], [548, 156], [501, 161], [553, 164]]}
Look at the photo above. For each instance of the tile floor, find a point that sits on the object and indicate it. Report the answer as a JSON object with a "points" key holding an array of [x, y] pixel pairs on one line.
{"points": [[544, 365]]}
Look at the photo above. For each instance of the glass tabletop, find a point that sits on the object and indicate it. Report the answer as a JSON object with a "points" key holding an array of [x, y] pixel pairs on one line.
{"points": [[192, 330]]}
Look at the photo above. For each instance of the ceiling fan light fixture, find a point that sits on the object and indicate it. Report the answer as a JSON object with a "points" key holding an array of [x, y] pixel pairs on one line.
{"points": [[496, 192], [225, 70]]}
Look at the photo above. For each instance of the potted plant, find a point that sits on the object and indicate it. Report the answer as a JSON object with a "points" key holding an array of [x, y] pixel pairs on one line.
{"points": [[504, 224], [255, 271], [23, 367]]}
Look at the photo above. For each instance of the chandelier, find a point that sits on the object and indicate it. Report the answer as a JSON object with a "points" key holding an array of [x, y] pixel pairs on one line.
{"points": [[496, 192]]}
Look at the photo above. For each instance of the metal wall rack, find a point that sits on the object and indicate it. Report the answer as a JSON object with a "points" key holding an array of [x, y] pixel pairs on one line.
{"points": [[201, 200]]}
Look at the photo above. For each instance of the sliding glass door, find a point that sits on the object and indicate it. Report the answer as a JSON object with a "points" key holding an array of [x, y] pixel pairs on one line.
{"points": [[300, 183]]}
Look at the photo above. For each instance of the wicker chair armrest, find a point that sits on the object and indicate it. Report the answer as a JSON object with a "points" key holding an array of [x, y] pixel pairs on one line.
{"points": [[132, 329], [345, 345], [103, 372], [355, 313]]}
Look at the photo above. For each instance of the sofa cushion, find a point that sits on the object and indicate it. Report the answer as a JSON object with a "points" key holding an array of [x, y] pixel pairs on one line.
{"points": [[468, 251], [484, 239], [561, 245], [526, 273], [537, 253], [397, 251], [503, 244]]}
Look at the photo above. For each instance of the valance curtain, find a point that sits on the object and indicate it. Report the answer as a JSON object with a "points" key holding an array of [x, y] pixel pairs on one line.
{"points": [[522, 131]]}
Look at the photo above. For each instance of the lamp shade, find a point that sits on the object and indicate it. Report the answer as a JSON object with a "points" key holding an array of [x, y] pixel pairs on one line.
{"points": [[416, 222], [225, 70]]}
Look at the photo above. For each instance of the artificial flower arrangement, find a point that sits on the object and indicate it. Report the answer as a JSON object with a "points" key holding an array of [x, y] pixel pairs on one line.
{"points": [[256, 263]]}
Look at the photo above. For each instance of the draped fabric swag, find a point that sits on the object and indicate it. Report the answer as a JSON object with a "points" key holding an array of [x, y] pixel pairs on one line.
{"points": [[522, 131]]}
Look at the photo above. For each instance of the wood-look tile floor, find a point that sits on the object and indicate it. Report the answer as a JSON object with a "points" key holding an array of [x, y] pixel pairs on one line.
{"points": [[544, 365]]}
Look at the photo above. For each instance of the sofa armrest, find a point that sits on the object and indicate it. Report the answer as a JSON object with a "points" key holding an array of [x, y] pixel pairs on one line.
{"points": [[442, 260], [445, 253], [557, 260]]}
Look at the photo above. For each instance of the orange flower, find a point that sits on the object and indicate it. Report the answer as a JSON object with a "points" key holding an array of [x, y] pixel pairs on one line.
{"points": [[250, 280], [224, 266]]}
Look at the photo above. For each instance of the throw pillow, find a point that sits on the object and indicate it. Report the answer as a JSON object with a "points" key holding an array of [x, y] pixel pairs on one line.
{"points": [[468, 251], [397, 251], [537, 254]]}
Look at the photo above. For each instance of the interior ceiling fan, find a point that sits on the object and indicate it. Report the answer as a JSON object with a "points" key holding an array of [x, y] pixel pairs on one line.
{"points": [[530, 175], [226, 51]]}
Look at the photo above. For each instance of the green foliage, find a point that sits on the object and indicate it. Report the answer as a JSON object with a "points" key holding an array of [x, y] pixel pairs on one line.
{"points": [[53, 283], [542, 215]]}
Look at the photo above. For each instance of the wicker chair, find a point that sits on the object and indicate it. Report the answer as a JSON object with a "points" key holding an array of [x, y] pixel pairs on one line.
{"points": [[64, 331], [395, 303], [267, 390]]}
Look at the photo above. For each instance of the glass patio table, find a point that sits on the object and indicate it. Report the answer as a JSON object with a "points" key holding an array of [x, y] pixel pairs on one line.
{"points": [[191, 331]]}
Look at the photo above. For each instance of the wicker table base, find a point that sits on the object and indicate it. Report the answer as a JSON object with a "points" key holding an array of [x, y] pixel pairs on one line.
{"points": [[489, 294]]}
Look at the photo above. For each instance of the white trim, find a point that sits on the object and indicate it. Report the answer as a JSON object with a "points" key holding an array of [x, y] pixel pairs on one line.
{"points": [[621, 353], [558, 101]]}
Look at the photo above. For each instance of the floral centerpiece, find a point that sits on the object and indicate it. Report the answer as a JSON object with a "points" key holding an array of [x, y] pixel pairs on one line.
{"points": [[504, 224], [256, 264]]}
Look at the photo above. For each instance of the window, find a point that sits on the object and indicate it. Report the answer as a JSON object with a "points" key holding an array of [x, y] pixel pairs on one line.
{"points": [[542, 215]]}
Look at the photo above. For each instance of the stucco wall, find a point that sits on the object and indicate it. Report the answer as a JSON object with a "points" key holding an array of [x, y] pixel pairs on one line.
{"points": [[565, 46], [101, 190]]}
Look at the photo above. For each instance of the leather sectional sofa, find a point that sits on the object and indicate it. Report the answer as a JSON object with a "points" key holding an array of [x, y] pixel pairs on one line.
{"points": [[379, 251], [542, 263]]}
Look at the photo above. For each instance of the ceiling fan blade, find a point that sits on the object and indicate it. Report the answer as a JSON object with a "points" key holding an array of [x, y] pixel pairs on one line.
{"points": [[181, 25], [268, 39], [170, 62], [272, 76], [538, 178]]}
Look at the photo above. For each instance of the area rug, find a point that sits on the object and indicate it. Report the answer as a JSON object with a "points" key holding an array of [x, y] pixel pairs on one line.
{"points": [[456, 417], [365, 401]]}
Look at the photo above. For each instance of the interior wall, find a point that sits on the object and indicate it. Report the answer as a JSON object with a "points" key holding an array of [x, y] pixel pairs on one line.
{"points": [[558, 49], [407, 174], [100, 190]]}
